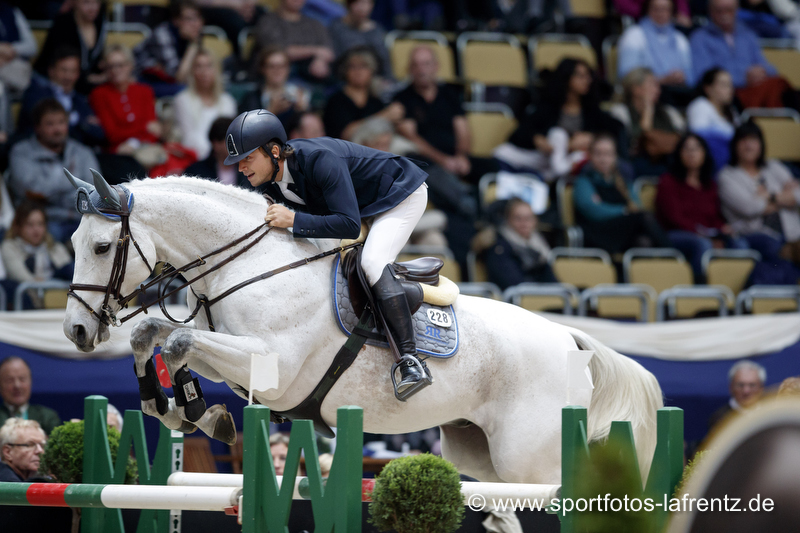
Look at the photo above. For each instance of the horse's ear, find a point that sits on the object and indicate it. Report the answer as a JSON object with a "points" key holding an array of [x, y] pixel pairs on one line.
{"points": [[105, 191], [78, 183]]}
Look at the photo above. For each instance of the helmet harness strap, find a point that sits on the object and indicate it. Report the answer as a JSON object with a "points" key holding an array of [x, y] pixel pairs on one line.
{"points": [[275, 166]]}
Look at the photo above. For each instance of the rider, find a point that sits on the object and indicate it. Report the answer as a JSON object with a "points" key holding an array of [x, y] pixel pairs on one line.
{"points": [[330, 185]]}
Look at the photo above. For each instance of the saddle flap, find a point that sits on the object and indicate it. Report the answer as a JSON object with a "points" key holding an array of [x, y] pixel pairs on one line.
{"points": [[422, 270], [357, 284]]}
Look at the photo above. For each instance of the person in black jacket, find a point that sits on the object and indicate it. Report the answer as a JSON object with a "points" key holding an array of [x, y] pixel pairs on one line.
{"points": [[558, 134], [330, 185]]}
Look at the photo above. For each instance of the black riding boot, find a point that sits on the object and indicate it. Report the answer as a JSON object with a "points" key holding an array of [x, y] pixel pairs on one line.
{"points": [[393, 304]]}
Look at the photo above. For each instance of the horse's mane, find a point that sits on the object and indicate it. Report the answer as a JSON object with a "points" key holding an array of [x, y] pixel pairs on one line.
{"points": [[199, 185]]}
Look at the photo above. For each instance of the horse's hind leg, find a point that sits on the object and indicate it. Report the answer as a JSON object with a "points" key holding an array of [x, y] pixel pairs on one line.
{"points": [[146, 335], [467, 448], [215, 356]]}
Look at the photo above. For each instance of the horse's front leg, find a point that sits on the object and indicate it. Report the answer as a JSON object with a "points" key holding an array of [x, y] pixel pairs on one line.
{"points": [[215, 356], [145, 336]]}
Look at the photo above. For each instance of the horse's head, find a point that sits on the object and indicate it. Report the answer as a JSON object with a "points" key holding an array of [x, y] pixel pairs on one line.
{"points": [[106, 268]]}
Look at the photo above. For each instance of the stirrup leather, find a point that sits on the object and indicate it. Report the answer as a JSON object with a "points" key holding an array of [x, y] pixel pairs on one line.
{"points": [[424, 381]]}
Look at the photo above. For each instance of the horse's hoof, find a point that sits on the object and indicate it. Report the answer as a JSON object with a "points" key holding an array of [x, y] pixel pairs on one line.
{"points": [[224, 427], [187, 427]]}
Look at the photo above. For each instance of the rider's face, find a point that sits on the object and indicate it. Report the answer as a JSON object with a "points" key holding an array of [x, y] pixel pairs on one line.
{"points": [[257, 168]]}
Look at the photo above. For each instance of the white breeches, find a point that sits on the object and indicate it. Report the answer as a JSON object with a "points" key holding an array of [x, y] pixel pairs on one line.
{"points": [[390, 232]]}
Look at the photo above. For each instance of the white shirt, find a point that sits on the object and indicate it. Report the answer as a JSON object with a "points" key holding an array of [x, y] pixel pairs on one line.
{"points": [[703, 117], [284, 185], [194, 119]]}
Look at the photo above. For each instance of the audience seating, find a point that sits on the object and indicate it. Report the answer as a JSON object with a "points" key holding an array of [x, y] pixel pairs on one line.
{"points": [[619, 300], [450, 269], [118, 7], [39, 28], [53, 293], [566, 212], [781, 131], [197, 456], [783, 54], [687, 301], [763, 299], [730, 268], [544, 296], [476, 268], [610, 58], [582, 267], [546, 51], [247, 43], [490, 125], [595, 9], [496, 59], [646, 188], [660, 268], [484, 289], [487, 190], [401, 43], [215, 40], [129, 34]]}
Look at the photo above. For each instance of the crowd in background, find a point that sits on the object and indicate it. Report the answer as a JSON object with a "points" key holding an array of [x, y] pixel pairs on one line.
{"points": [[686, 70]]}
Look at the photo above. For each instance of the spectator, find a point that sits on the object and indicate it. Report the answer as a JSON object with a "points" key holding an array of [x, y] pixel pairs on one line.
{"points": [[63, 73], [785, 11], [83, 27], [22, 444], [212, 167], [712, 114], [30, 253], [653, 129], [36, 167], [656, 44], [357, 29], [520, 252], [279, 449], [127, 110], [306, 40], [201, 103], [746, 381], [606, 205], [347, 109], [639, 8], [165, 58], [688, 205], [558, 134], [276, 93], [410, 14], [17, 48], [306, 126], [760, 198], [724, 43], [758, 15], [15, 390], [232, 16]]}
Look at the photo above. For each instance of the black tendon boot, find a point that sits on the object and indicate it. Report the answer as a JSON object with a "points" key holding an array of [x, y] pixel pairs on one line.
{"points": [[393, 305]]}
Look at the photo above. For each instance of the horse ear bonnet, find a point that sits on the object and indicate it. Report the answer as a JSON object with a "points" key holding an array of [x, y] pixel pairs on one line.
{"points": [[251, 130], [89, 201]]}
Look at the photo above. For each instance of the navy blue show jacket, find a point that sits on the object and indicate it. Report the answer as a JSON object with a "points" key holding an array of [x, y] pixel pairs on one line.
{"points": [[341, 182]]}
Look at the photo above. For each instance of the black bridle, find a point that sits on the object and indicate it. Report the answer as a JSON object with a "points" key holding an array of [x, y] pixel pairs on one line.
{"points": [[114, 287]]}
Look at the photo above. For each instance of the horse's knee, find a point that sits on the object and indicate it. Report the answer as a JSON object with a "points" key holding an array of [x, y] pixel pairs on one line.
{"points": [[143, 334], [177, 346]]}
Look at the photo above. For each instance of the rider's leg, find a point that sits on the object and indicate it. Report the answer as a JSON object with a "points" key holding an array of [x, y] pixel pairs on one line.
{"points": [[389, 233]]}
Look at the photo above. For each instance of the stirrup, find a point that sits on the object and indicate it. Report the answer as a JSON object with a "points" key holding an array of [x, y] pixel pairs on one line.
{"points": [[424, 381]]}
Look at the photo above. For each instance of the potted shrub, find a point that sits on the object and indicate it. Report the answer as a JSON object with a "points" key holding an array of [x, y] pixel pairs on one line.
{"points": [[417, 494]]}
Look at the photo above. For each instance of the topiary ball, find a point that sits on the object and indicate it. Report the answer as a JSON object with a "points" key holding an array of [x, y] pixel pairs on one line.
{"points": [[417, 494]]}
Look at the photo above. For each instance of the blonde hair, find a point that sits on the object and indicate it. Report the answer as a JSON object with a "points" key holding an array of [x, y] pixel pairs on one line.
{"points": [[325, 463], [119, 49], [12, 428], [632, 79], [217, 90], [279, 438]]}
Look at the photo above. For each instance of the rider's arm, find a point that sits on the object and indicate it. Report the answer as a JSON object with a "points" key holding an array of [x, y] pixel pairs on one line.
{"points": [[327, 172]]}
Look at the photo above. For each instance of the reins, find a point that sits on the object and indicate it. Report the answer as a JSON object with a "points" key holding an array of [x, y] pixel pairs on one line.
{"points": [[113, 289]]}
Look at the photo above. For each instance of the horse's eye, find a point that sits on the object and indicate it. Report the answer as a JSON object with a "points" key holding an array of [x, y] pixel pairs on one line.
{"points": [[101, 248]]}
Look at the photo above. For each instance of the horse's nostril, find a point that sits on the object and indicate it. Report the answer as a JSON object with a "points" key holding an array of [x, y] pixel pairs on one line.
{"points": [[80, 334]]}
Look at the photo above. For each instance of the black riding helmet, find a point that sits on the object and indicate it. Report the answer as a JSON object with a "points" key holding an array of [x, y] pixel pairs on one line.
{"points": [[250, 131]]}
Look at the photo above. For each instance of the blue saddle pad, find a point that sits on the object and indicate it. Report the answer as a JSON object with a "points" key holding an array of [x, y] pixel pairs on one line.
{"points": [[436, 327]]}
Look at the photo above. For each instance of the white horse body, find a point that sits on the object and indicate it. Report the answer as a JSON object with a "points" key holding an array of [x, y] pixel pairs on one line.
{"points": [[498, 400]]}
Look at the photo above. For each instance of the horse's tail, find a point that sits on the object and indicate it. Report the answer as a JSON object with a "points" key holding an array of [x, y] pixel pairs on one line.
{"points": [[624, 390]]}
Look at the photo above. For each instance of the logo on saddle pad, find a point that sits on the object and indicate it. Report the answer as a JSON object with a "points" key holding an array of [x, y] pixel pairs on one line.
{"points": [[231, 146]]}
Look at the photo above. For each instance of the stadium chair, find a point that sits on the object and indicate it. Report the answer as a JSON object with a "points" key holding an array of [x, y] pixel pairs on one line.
{"points": [[566, 211], [476, 268], [450, 269], [495, 59], [610, 58], [595, 9], [764, 299], [129, 34], [582, 267], [118, 7], [781, 130], [247, 42], [543, 297], [619, 300], [547, 51], [215, 40], [490, 125], [483, 289], [39, 28], [52, 293], [401, 43], [686, 301], [197, 456], [646, 188], [730, 268], [660, 268], [783, 55], [487, 187]]}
